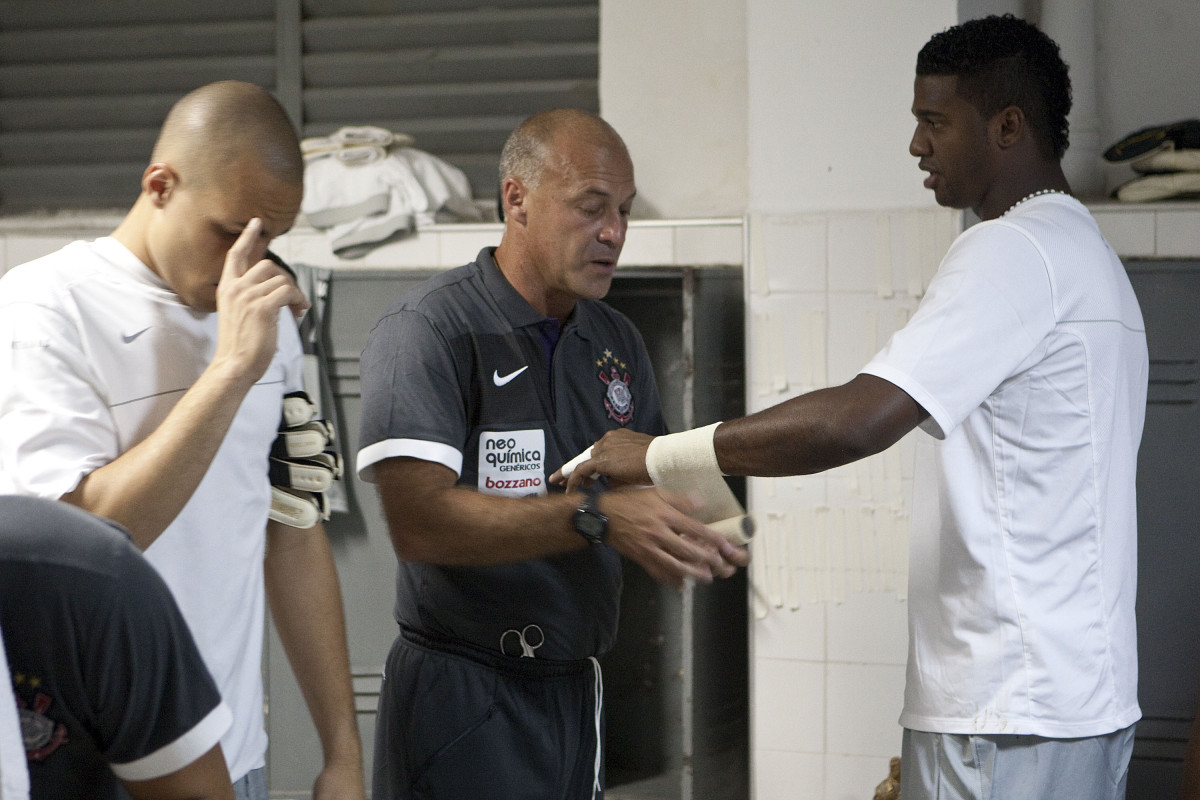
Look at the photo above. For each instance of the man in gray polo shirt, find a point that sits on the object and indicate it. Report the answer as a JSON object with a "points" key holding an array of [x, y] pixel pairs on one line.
{"points": [[488, 378]]}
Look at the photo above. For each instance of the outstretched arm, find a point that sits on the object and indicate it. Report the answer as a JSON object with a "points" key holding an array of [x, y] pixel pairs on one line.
{"points": [[810, 433], [306, 604], [819, 430], [433, 521]]}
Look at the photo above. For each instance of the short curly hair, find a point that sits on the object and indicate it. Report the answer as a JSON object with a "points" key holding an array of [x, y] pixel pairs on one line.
{"points": [[1003, 61]]}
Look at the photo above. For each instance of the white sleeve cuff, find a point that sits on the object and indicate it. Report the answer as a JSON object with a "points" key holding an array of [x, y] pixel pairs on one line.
{"points": [[181, 752], [436, 452]]}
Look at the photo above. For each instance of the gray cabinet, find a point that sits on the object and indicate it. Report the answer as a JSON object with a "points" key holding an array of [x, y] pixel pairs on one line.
{"points": [[1168, 599]]}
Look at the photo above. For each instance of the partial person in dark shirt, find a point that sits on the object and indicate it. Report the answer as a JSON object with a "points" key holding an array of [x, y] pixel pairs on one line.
{"points": [[110, 688]]}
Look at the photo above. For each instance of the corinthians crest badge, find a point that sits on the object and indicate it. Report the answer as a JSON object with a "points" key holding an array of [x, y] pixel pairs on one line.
{"points": [[42, 735], [618, 400]]}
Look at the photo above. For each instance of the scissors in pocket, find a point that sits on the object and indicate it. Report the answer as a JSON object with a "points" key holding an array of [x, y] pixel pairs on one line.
{"points": [[530, 638]]}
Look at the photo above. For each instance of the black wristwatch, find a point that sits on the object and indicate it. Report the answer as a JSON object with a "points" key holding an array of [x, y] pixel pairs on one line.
{"points": [[589, 522]]}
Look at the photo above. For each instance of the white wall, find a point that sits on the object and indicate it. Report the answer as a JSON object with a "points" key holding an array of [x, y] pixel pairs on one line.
{"points": [[715, 130], [1148, 68], [842, 240], [830, 98], [673, 83]]}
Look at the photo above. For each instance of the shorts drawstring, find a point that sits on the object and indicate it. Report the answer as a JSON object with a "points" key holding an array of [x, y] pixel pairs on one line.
{"points": [[599, 712]]}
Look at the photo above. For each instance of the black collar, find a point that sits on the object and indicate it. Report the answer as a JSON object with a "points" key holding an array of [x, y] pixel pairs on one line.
{"points": [[516, 309]]}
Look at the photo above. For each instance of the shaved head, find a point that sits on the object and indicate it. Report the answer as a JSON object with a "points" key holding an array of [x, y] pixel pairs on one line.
{"points": [[224, 126], [536, 143], [227, 154]]}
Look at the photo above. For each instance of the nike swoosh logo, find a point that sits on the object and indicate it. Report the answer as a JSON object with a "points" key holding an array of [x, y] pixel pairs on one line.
{"points": [[500, 380], [129, 337]]}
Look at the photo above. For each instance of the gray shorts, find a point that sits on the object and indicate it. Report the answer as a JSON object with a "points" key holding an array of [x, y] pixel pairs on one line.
{"points": [[251, 786], [950, 766]]}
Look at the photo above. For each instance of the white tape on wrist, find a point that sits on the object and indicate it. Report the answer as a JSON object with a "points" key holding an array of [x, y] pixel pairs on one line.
{"points": [[682, 457], [686, 463]]}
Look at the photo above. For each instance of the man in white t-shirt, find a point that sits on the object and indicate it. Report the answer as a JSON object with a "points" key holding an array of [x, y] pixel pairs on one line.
{"points": [[122, 392], [1026, 363]]}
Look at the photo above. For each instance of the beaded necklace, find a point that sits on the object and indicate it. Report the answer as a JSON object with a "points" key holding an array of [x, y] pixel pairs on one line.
{"points": [[1030, 196]]}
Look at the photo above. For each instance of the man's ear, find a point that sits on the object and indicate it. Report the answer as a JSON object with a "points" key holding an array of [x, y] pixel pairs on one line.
{"points": [[513, 194], [159, 182], [1009, 126]]}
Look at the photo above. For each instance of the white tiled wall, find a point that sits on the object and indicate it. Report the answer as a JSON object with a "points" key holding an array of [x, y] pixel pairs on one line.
{"points": [[1151, 230], [781, 775], [825, 291], [829, 636]]}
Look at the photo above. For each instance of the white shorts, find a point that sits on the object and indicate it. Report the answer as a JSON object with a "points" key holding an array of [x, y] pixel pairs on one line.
{"points": [[951, 766]]}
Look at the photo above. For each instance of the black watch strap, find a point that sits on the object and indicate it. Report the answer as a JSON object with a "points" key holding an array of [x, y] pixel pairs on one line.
{"points": [[589, 522]]}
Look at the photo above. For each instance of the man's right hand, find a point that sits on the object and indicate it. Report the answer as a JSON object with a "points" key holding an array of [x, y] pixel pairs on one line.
{"points": [[620, 454], [655, 531], [250, 295]]}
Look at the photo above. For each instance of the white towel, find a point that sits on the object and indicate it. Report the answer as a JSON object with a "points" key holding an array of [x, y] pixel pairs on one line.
{"points": [[361, 206], [352, 156], [1168, 161]]}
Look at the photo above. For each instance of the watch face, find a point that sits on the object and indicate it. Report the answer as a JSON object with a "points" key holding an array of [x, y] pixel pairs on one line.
{"points": [[590, 524]]}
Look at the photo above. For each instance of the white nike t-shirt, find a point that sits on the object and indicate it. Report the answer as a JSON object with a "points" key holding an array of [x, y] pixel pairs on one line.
{"points": [[1029, 353], [96, 351]]}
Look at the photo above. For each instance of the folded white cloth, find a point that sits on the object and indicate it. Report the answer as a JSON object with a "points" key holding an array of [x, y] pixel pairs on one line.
{"points": [[1160, 187], [361, 206], [356, 155], [1168, 160], [353, 136]]}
